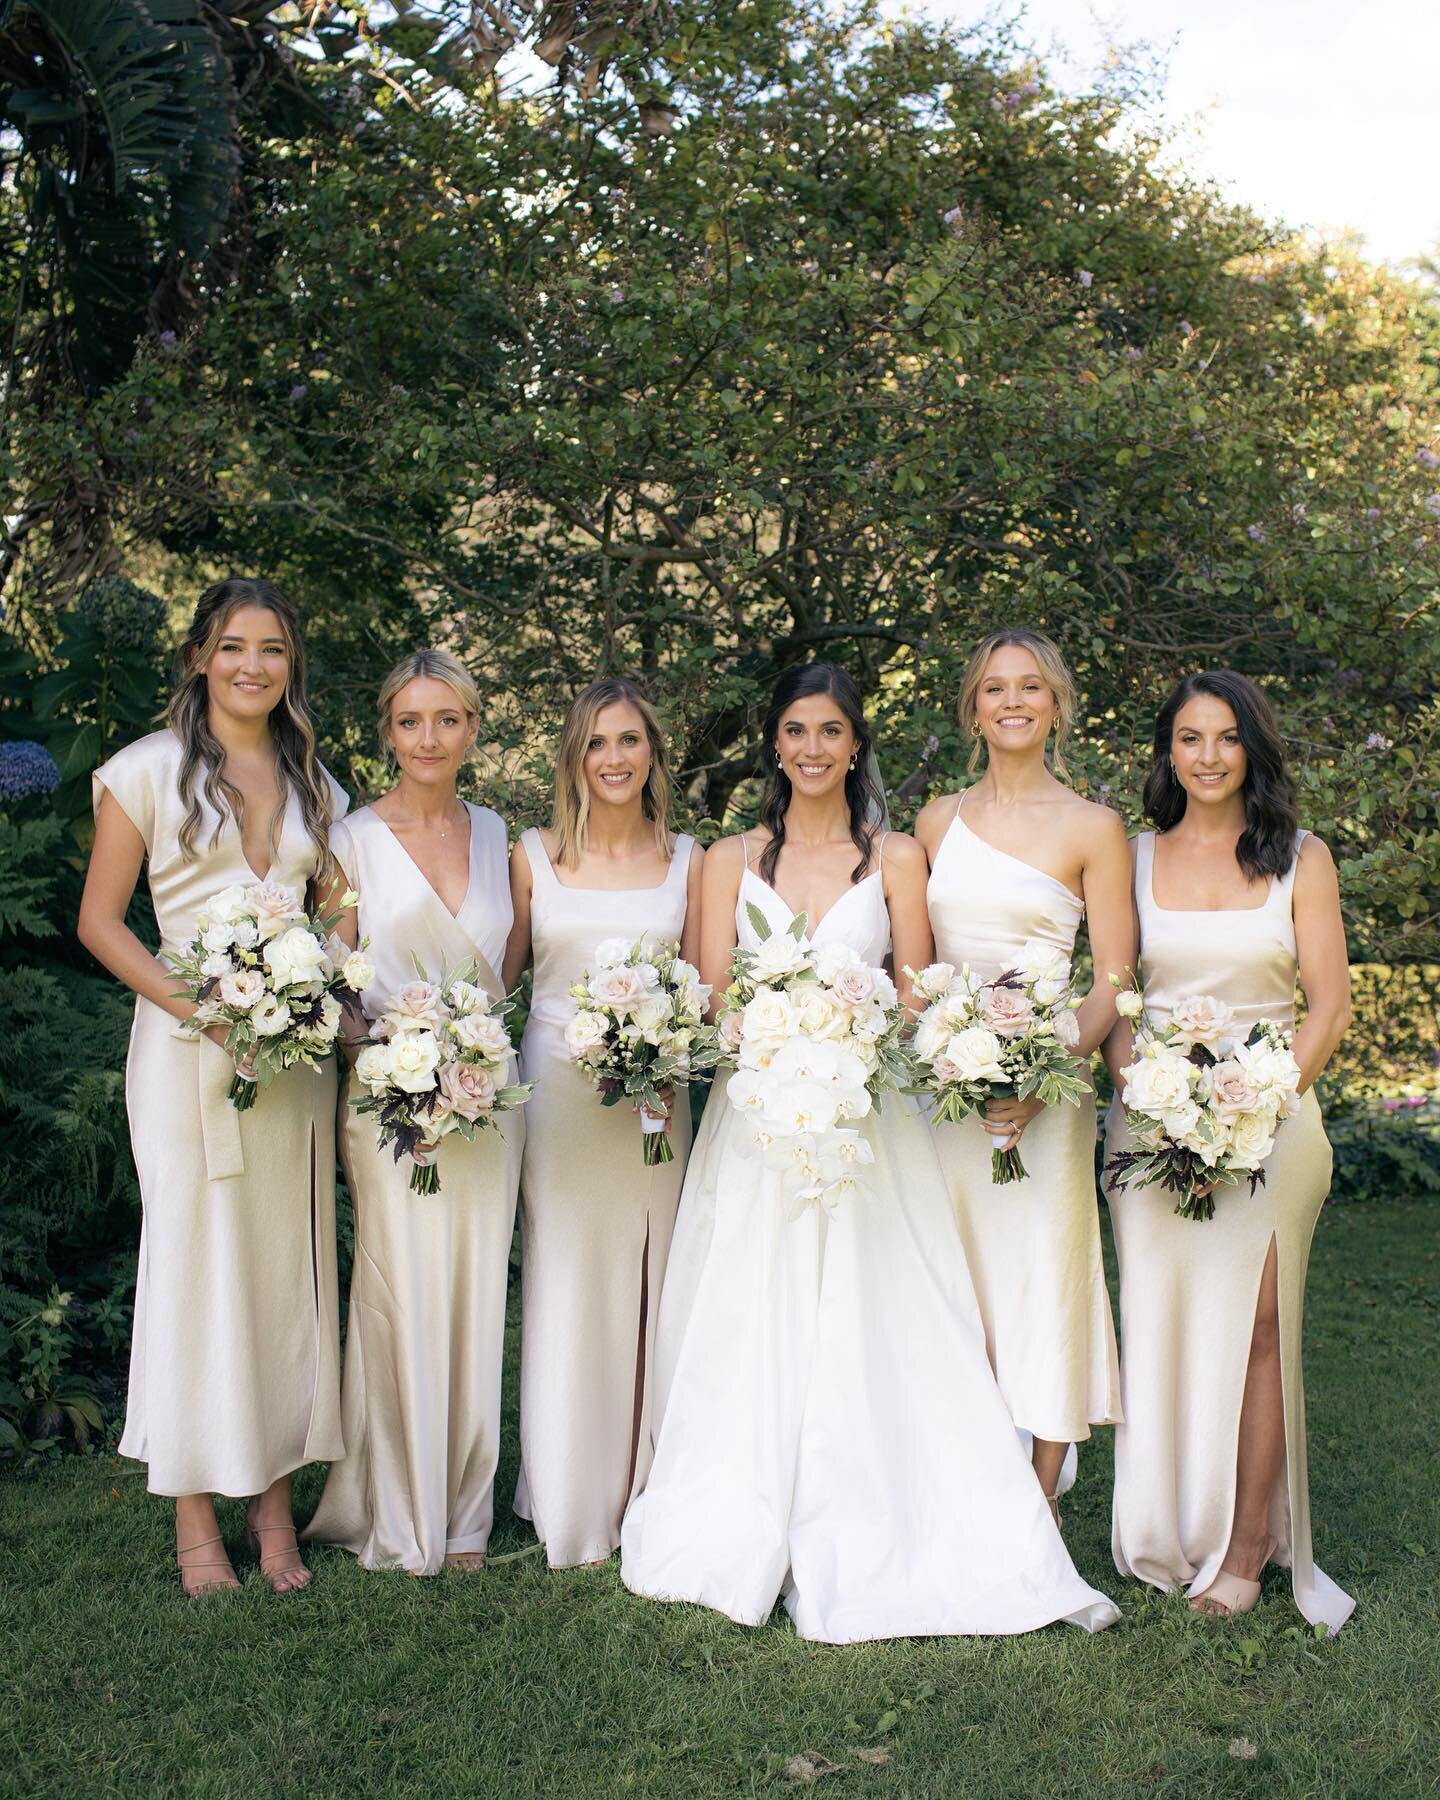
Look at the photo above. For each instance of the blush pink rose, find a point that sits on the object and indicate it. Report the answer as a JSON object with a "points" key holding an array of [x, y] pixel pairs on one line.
{"points": [[467, 1090], [1231, 1090], [1008, 1011], [1202, 1019], [732, 1027], [276, 908], [945, 1069], [854, 984]]}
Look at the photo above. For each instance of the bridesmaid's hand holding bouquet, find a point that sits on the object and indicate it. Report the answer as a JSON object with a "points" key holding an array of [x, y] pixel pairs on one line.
{"points": [[640, 1031], [1202, 1101], [436, 1062], [1011, 1038], [260, 969]]}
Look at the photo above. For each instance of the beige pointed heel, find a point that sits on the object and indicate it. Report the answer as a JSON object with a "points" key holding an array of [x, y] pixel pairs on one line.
{"points": [[217, 1584], [280, 1578], [1230, 1595]]}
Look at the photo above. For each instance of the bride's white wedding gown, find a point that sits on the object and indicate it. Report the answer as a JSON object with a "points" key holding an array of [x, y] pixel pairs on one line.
{"points": [[828, 1424]]}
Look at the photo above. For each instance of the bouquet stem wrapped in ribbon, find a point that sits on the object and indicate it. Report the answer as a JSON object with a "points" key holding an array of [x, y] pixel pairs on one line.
{"points": [[639, 1032], [1203, 1100], [273, 976], [436, 1062], [1009, 1038]]}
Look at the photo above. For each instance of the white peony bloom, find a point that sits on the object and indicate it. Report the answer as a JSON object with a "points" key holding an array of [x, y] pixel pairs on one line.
{"points": [[269, 1016], [414, 1058], [585, 1036], [242, 989], [296, 958]]}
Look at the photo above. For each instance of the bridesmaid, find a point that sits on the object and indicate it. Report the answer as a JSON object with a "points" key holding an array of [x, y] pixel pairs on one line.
{"points": [[426, 1328], [234, 1362], [1210, 1465], [595, 1223], [1019, 856]]}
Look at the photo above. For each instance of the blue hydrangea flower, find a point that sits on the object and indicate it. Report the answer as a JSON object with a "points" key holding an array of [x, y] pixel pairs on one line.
{"points": [[27, 768]]}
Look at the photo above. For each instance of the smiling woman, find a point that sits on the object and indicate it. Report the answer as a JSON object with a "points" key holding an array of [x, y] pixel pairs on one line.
{"points": [[234, 1363]]}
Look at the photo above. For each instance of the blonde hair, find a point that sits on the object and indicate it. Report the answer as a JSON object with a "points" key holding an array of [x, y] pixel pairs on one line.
{"points": [[425, 665], [1052, 666], [571, 815], [202, 757]]}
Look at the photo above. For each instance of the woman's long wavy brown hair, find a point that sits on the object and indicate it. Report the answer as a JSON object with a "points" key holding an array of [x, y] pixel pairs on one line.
{"points": [[570, 816], [202, 755]]}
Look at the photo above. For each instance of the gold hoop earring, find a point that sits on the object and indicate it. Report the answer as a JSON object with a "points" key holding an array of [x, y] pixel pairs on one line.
{"points": [[975, 730]]}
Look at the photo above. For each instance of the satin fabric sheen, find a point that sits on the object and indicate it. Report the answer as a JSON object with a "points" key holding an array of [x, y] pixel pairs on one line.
{"points": [[234, 1357], [595, 1230], [1188, 1289], [829, 1428], [1033, 1246], [426, 1329]]}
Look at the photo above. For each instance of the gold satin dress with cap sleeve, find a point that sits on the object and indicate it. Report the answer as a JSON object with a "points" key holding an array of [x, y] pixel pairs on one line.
{"points": [[234, 1358], [425, 1335], [1188, 1289]]}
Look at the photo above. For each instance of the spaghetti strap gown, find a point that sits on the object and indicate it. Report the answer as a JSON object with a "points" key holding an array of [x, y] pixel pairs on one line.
{"points": [[829, 1427], [1188, 1289], [595, 1228], [234, 1356], [1033, 1246], [426, 1331]]}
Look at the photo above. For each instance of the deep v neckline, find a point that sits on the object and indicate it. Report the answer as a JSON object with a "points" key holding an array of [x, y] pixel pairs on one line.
{"points": [[395, 839], [812, 930]]}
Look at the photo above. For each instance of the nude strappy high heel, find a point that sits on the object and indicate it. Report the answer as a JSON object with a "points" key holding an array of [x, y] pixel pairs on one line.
{"points": [[1233, 1594], [209, 1562], [253, 1533]]}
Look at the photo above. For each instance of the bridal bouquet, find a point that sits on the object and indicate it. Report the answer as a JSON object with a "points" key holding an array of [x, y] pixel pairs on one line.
{"points": [[1203, 1100], [639, 1030], [1008, 1038], [265, 969], [436, 1061], [815, 1034]]}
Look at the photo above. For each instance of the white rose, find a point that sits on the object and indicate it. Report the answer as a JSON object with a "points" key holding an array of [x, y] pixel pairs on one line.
{"points": [[816, 1013], [768, 1019], [1129, 1004], [585, 1035], [1044, 962], [417, 1006], [886, 995], [1156, 1084], [1269, 1066], [216, 938], [1229, 1089], [1202, 1019], [295, 958], [931, 1034], [480, 1031], [617, 989], [611, 952], [464, 997], [934, 980], [975, 1052], [855, 985], [831, 958], [242, 989], [778, 956], [269, 1016], [357, 973], [731, 1024], [1047, 990], [1251, 1137], [227, 906], [414, 1058], [651, 1017], [276, 908], [372, 1066]]}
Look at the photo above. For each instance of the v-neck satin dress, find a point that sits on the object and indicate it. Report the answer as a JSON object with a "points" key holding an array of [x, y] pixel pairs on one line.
{"points": [[1033, 1245], [594, 1230], [1188, 1288], [828, 1426], [234, 1356], [426, 1331]]}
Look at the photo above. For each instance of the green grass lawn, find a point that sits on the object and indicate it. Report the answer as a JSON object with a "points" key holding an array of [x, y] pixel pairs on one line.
{"points": [[520, 1682]]}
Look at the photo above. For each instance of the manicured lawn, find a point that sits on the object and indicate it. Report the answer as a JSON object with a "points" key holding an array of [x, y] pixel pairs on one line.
{"points": [[517, 1682]]}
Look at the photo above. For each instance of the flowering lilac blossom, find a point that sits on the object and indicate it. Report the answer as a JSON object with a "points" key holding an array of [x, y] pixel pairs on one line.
{"points": [[1427, 458], [1256, 533], [1377, 741], [1086, 278], [27, 768]]}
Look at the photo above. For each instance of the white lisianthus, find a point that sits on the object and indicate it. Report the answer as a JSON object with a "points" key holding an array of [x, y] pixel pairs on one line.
{"points": [[414, 1058], [217, 938], [930, 1035], [1040, 961], [1067, 1029], [1157, 1083], [357, 972], [372, 1066], [586, 1033], [1046, 991], [780, 955], [331, 1013], [295, 958], [242, 989], [612, 952], [217, 966], [831, 958], [1129, 1004], [270, 1016], [975, 1052], [1271, 1067], [247, 934]]}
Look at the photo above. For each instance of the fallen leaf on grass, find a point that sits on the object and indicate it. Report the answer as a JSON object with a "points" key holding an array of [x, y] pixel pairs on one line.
{"points": [[809, 1767], [880, 1755], [1244, 1749]]}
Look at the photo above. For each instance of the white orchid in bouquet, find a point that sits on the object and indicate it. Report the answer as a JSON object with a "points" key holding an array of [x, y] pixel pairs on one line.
{"points": [[436, 1061], [1203, 1098], [273, 975], [1011, 1038], [814, 1032], [640, 1032]]}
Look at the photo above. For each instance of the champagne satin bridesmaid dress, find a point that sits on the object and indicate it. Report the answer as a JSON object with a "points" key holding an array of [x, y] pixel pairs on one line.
{"points": [[595, 1228], [426, 1331], [1188, 1289], [1033, 1245], [234, 1357]]}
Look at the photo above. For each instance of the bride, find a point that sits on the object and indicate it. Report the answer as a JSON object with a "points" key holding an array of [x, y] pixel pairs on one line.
{"points": [[829, 1427]]}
